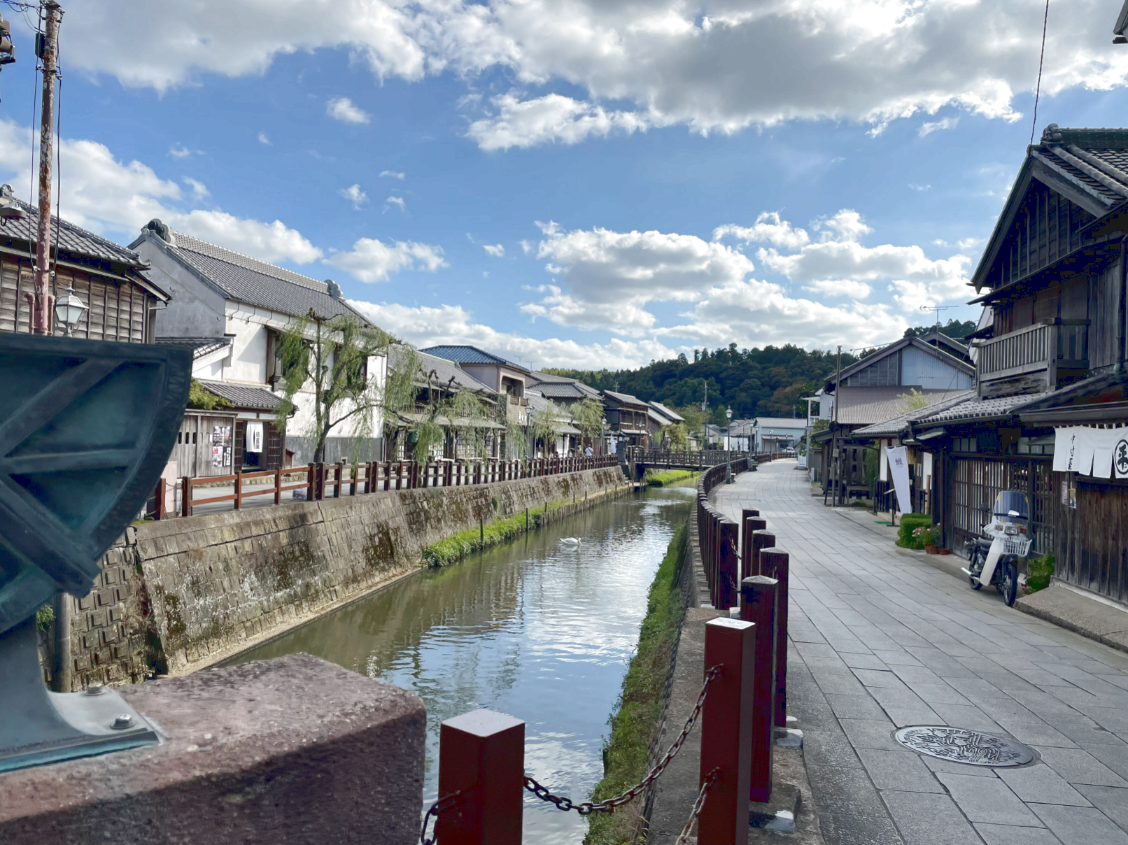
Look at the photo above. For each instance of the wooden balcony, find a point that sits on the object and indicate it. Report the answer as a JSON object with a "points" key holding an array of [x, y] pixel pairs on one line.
{"points": [[1035, 358]]}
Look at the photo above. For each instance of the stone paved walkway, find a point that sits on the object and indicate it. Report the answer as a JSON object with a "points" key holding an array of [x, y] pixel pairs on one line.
{"points": [[882, 640]]}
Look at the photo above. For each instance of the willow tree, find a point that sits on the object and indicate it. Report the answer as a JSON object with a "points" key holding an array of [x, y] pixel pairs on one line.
{"points": [[588, 418], [545, 423], [328, 359]]}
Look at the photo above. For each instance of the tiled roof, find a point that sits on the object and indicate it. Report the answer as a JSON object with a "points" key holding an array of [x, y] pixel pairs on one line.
{"points": [[471, 355], [242, 396], [789, 422], [624, 398], [1096, 160], [444, 371], [566, 390], [666, 412], [869, 405], [248, 280], [538, 404], [976, 408], [200, 346], [897, 425], [72, 239]]}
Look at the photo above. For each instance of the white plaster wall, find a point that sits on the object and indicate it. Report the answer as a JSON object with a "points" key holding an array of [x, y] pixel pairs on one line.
{"points": [[196, 309], [918, 367], [247, 361]]}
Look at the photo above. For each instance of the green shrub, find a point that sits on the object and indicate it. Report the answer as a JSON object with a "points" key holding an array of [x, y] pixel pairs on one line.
{"points": [[1039, 572], [670, 476], [909, 523], [640, 703]]}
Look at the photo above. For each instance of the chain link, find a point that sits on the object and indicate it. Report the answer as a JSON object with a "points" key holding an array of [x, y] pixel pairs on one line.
{"points": [[683, 837], [611, 804], [435, 809]]}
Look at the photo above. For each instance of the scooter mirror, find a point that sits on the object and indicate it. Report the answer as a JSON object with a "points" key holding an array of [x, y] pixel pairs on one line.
{"points": [[1013, 513]]}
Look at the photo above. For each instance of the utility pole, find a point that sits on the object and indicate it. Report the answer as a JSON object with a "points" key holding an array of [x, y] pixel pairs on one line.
{"points": [[41, 312], [836, 457]]}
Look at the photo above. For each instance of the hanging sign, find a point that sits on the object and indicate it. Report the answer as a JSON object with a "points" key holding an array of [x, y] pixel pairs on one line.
{"points": [[1099, 452], [254, 436], [899, 469]]}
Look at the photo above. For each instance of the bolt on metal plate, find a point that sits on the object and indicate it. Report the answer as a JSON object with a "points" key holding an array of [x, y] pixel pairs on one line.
{"points": [[963, 746]]}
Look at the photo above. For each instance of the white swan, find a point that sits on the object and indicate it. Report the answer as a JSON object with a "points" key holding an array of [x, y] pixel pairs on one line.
{"points": [[571, 541]]}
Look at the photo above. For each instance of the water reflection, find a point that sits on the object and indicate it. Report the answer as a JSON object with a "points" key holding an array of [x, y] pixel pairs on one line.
{"points": [[538, 629]]}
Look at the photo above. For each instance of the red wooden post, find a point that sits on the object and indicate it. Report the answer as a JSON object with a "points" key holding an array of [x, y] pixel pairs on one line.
{"points": [[238, 490], [186, 496], [726, 731], [311, 482], [159, 501], [760, 540], [759, 607], [775, 563], [278, 486], [728, 566], [748, 564], [340, 479], [387, 476], [482, 756]]}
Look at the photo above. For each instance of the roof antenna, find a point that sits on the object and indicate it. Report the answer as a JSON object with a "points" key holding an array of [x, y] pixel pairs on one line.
{"points": [[937, 309]]}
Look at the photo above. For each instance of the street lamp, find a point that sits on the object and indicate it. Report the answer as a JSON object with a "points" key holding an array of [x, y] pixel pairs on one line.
{"points": [[69, 310], [728, 445]]}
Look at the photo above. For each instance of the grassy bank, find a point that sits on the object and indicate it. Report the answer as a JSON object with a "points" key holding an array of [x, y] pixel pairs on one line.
{"points": [[496, 531], [670, 476], [640, 705]]}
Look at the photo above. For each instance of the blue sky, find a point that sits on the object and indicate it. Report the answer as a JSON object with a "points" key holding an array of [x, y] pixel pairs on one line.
{"points": [[575, 183]]}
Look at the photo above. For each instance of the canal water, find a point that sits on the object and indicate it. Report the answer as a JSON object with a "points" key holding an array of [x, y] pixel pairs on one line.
{"points": [[536, 629]]}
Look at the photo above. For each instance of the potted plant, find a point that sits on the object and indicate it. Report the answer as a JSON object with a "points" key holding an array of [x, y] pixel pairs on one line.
{"points": [[926, 536]]}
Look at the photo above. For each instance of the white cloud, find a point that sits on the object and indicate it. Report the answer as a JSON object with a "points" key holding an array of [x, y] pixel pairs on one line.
{"points": [[526, 247], [263, 139], [840, 287], [769, 228], [180, 151], [371, 260], [111, 197], [662, 62], [199, 189], [846, 224], [551, 118], [355, 195], [945, 123], [496, 250], [343, 109], [398, 202], [919, 188], [393, 174], [451, 324]]}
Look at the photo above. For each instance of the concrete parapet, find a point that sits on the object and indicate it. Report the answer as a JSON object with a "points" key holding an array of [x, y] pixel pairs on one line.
{"points": [[292, 751]]}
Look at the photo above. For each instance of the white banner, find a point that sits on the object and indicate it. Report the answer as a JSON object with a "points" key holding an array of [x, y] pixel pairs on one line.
{"points": [[1099, 452], [254, 436], [883, 463], [899, 469]]}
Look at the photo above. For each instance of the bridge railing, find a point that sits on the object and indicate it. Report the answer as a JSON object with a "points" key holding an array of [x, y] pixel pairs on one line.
{"points": [[684, 458]]}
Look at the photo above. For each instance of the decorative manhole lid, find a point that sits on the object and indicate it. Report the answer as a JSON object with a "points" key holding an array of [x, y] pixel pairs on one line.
{"points": [[963, 746]]}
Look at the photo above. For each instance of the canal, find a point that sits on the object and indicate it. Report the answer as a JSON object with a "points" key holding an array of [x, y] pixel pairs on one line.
{"points": [[537, 629]]}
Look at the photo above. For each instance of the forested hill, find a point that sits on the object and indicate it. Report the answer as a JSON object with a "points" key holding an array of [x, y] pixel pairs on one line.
{"points": [[754, 382]]}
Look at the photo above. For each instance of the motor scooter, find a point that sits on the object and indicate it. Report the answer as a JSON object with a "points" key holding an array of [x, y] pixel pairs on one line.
{"points": [[1006, 539]]}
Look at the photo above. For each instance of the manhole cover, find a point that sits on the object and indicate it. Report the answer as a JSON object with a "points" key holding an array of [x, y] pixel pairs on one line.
{"points": [[964, 746]]}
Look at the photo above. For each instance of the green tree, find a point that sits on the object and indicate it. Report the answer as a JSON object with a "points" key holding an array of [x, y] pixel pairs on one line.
{"points": [[200, 398], [675, 437], [329, 359], [588, 418]]}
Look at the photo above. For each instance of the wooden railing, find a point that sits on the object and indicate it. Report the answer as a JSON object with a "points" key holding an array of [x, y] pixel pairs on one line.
{"points": [[683, 458], [1046, 346], [334, 481]]}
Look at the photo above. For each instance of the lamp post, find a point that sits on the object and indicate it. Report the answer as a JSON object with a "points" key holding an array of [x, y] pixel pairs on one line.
{"points": [[69, 310], [728, 446]]}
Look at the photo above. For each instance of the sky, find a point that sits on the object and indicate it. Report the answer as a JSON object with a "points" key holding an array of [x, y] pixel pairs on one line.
{"points": [[575, 183]]}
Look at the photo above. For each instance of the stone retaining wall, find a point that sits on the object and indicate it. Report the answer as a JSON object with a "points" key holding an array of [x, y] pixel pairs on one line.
{"points": [[181, 594]]}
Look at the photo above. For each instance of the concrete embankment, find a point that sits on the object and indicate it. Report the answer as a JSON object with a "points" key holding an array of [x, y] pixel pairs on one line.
{"points": [[181, 594]]}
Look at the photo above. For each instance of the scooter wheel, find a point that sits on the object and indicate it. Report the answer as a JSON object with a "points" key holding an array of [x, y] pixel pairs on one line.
{"points": [[1010, 583], [973, 580]]}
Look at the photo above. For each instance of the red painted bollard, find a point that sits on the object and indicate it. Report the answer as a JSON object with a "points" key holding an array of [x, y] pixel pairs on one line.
{"points": [[726, 731], [760, 540], [759, 608], [728, 568], [775, 563], [750, 526], [481, 764]]}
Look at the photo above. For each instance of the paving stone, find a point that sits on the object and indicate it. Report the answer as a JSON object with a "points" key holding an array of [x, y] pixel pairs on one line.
{"points": [[917, 675], [858, 830], [967, 716], [987, 800], [937, 765], [1080, 825], [925, 819], [874, 678], [1113, 753], [894, 770], [939, 693], [1076, 765], [897, 658], [871, 733], [855, 706], [829, 748], [1005, 834], [1041, 784], [863, 661], [1034, 732], [845, 792], [840, 685]]}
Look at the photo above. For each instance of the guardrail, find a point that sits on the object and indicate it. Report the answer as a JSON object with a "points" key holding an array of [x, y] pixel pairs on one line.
{"points": [[741, 706], [683, 458], [321, 481]]}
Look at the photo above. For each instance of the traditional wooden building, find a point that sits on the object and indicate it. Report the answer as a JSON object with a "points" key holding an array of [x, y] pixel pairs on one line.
{"points": [[121, 302], [1051, 359], [628, 418]]}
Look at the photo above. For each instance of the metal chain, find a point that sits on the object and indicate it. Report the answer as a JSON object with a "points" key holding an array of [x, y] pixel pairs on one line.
{"points": [[683, 837], [611, 804], [435, 809]]}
